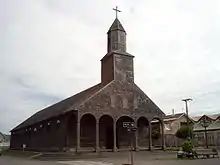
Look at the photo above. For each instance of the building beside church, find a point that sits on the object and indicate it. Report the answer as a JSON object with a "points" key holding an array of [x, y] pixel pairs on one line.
{"points": [[212, 131], [171, 124], [175, 121], [92, 120]]}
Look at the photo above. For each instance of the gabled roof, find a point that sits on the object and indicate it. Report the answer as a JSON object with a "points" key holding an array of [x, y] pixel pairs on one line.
{"points": [[215, 116], [215, 125], [174, 116], [195, 118], [116, 25], [150, 104], [211, 117], [72, 103], [60, 107]]}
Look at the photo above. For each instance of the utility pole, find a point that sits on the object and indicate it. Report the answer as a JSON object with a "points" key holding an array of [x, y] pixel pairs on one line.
{"points": [[187, 113]]}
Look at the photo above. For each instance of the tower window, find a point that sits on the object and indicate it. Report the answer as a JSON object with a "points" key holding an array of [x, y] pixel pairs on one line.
{"points": [[109, 44], [122, 38]]}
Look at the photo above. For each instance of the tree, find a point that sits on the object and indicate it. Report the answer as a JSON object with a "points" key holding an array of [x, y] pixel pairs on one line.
{"points": [[187, 146], [183, 132]]}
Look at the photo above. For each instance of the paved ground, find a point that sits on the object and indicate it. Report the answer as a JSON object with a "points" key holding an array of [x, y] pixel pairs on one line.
{"points": [[141, 158]]}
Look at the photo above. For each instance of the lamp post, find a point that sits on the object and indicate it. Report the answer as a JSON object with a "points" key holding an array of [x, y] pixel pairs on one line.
{"points": [[205, 123], [187, 114], [130, 126]]}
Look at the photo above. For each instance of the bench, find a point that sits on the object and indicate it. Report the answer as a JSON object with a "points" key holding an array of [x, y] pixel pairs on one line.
{"points": [[206, 153]]}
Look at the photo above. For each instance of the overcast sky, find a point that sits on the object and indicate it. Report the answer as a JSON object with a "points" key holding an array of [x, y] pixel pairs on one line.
{"points": [[51, 49]]}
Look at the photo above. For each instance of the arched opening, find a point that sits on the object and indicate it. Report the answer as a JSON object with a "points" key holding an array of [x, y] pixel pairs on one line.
{"points": [[71, 131], [123, 137], [157, 133], [106, 134], [143, 133], [88, 131]]}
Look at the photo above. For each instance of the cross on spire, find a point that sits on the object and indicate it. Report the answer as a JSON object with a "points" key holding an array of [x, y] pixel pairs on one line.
{"points": [[116, 11]]}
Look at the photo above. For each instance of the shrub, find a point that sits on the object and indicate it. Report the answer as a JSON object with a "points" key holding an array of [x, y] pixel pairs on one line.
{"points": [[187, 146]]}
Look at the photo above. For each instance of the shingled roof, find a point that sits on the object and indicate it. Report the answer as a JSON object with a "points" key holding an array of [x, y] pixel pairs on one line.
{"points": [[116, 25], [60, 107]]}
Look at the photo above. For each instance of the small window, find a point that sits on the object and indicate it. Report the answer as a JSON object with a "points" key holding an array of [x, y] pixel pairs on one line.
{"points": [[122, 38], [58, 125], [48, 127]]}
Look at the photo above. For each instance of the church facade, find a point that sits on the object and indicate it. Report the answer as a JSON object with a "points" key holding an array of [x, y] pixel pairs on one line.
{"points": [[92, 120]]}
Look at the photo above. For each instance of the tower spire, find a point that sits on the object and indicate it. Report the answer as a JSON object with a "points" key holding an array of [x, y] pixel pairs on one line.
{"points": [[116, 11], [117, 64], [116, 35]]}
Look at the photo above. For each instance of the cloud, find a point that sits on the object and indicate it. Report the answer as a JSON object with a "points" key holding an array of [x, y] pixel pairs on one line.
{"points": [[51, 49]]}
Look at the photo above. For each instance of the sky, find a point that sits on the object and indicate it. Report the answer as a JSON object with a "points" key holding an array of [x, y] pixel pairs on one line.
{"points": [[51, 49]]}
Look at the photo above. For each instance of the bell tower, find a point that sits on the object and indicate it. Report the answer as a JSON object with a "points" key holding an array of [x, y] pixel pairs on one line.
{"points": [[116, 37], [117, 64]]}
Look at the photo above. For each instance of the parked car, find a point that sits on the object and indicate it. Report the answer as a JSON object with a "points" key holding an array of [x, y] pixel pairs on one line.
{"points": [[182, 154]]}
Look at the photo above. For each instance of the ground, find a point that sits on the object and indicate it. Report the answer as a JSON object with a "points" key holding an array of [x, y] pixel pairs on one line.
{"points": [[141, 158]]}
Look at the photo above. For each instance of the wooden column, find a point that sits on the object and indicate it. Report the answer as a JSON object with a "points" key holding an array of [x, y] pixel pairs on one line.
{"points": [[78, 134], [136, 138], [97, 136], [163, 137], [114, 132], [150, 136]]}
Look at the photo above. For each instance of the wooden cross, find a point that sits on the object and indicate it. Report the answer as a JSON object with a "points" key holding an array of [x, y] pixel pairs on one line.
{"points": [[116, 11]]}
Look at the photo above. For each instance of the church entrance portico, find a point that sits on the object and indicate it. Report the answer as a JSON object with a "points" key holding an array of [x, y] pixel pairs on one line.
{"points": [[143, 134], [71, 132], [106, 134], [88, 131], [123, 137], [157, 133]]}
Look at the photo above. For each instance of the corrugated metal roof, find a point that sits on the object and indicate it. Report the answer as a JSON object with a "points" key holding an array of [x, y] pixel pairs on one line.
{"points": [[212, 117], [215, 125]]}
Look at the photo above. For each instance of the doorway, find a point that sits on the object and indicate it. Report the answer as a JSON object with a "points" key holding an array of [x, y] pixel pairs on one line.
{"points": [[109, 138]]}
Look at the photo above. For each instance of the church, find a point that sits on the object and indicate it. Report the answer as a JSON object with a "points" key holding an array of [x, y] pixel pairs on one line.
{"points": [[92, 120]]}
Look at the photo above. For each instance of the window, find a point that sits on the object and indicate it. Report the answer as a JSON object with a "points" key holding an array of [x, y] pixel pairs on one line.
{"points": [[57, 124], [48, 127], [109, 43], [122, 38]]}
